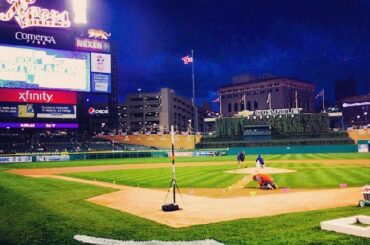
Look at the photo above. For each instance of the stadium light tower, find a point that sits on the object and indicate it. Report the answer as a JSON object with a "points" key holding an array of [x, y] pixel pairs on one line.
{"points": [[80, 11]]}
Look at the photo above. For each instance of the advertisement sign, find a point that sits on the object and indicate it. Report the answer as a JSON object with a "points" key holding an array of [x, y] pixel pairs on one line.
{"points": [[100, 63], [38, 96], [273, 112], [363, 148], [98, 33], [92, 111], [26, 111], [4, 160], [181, 154], [34, 16], [56, 111], [8, 111], [52, 158], [94, 45], [53, 39], [100, 83], [39, 125], [205, 153], [26, 67]]}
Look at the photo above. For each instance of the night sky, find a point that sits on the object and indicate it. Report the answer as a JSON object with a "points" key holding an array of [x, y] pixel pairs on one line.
{"points": [[313, 41]]}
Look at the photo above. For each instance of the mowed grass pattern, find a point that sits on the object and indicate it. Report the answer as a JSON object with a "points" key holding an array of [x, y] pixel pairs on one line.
{"points": [[50, 211], [309, 174], [197, 177], [317, 175]]}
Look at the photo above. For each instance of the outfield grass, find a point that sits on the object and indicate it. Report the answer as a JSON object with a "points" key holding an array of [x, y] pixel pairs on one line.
{"points": [[317, 175], [197, 177], [50, 211], [308, 175], [179, 160]]}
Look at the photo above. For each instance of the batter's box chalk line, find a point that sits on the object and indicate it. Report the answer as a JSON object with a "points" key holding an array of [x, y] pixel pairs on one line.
{"points": [[105, 241]]}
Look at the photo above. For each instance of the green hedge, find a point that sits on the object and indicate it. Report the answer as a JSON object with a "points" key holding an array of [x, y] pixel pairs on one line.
{"points": [[280, 125], [283, 142]]}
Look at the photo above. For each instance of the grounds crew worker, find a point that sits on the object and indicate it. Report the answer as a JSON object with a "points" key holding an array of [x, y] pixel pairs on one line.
{"points": [[265, 181]]}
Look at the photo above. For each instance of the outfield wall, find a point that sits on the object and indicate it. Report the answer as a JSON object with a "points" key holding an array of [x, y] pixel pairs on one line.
{"points": [[57, 157], [295, 149]]}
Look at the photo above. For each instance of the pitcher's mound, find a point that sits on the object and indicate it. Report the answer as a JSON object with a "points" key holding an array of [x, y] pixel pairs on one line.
{"points": [[266, 170]]}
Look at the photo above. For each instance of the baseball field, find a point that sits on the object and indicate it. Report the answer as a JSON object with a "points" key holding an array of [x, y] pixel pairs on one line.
{"points": [[50, 203]]}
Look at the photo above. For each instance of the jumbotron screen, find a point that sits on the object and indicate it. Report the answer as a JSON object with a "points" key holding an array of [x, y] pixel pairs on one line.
{"points": [[30, 67]]}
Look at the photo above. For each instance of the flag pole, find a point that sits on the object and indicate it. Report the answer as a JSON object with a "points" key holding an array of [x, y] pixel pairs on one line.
{"points": [[296, 99], [323, 99], [245, 102], [195, 108], [220, 103], [269, 99], [270, 103]]}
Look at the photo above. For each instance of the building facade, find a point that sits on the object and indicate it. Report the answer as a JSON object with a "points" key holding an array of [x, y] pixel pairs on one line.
{"points": [[157, 111], [356, 110], [250, 93]]}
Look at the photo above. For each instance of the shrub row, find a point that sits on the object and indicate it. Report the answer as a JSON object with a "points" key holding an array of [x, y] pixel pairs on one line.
{"points": [[280, 125], [290, 142]]}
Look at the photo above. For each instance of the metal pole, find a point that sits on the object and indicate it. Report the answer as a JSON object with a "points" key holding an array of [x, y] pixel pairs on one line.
{"points": [[220, 104], [323, 99], [269, 97], [173, 164], [296, 99], [245, 102], [144, 113], [194, 105]]}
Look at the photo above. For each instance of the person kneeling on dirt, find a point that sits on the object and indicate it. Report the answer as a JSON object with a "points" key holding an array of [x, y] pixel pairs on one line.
{"points": [[265, 181], [240, 158]]}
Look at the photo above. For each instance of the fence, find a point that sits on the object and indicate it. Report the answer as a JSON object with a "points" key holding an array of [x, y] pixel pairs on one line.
{"points": [[48, 157]]}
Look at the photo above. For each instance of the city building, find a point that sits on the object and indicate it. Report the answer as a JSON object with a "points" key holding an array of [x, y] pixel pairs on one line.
{"points": [[356, 110], [157, 111], [250, 93]]}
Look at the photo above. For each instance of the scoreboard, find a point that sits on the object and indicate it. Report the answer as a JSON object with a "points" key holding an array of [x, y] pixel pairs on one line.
{"points": [[45, 63]]}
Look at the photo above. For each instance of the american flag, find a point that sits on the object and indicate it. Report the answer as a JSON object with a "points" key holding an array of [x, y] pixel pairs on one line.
{"points": [[187, 59], [217, 100], [320, 94]]}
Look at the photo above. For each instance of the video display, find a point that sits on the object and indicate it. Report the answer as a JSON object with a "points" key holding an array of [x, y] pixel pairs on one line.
{"points": [[29, 67]]}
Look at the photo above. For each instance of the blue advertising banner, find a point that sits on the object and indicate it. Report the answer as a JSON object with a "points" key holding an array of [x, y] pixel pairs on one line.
{"points": [[41, 111], [101, 83], [7, 110], [56, 111]]}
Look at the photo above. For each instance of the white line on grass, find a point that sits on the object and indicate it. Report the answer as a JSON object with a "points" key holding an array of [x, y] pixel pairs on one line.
{"points": [[105, 241]]}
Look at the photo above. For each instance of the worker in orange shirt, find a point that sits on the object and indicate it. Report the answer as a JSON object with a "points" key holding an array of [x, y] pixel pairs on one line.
{"points": [[265, 181]]}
